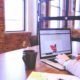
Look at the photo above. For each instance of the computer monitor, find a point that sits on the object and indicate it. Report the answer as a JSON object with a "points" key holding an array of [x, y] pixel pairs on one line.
{"points": [[54, 41]]}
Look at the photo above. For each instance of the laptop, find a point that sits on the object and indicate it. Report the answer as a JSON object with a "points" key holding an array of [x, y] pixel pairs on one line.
{"points": [[53, 42]]}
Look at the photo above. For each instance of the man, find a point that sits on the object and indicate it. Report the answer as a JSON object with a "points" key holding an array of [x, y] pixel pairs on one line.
{"points": [[72, 65]]}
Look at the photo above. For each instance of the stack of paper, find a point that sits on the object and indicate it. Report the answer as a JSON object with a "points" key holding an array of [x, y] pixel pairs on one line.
{"points": [[50, 76]]}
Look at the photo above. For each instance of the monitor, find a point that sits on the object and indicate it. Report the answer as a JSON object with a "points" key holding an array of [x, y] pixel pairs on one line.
{"points": [[54, 41]]}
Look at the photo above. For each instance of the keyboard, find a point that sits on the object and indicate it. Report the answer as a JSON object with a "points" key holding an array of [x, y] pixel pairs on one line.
{"points": [[53, 64], [53, 60]]}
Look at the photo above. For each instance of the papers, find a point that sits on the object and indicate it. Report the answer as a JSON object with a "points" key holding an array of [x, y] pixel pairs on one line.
{"points": [[50, 76]]}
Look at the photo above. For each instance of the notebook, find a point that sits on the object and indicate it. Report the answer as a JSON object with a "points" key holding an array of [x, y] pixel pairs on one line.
{"points": [[50, 76], [53, 42]]}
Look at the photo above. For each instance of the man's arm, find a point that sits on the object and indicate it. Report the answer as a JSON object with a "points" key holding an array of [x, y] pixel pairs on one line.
{"points": [[73, 66]]}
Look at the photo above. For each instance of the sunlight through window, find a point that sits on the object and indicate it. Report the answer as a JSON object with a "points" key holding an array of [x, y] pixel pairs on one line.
{"points": [[14, 15]]}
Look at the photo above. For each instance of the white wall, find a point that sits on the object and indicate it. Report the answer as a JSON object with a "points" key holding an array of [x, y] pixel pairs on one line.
{"points": [[31, 16]]}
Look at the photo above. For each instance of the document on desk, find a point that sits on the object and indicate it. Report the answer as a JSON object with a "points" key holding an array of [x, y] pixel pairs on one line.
{"points": [[51, 76]]}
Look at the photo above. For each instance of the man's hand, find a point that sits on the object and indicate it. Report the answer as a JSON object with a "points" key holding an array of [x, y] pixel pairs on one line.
{"points": [[62, 58]]}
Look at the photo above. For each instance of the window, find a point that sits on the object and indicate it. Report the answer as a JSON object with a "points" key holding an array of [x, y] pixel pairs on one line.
{"points": [[60, 14], [77, 13], [14, 15], [50, 13], [56, 7]]}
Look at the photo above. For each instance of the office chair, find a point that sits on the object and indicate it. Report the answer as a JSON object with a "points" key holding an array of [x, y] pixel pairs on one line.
{"points": [[34, 40]]}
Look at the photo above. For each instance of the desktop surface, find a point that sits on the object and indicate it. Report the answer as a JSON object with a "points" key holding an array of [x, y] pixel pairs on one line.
{"points": [[12, 66]]}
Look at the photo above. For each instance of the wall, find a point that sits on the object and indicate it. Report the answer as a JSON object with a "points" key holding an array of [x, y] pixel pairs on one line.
{"points": [[11, 41], [31, 16], [1, 26], [14, 41]]}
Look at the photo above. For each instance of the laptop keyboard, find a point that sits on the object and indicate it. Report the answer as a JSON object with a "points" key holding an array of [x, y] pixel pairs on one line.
{"points": [[53, 60], [53, 64]]}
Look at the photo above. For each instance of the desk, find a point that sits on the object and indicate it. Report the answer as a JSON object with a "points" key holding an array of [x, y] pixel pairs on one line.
{"points": [[12, 66], [42, 67]]}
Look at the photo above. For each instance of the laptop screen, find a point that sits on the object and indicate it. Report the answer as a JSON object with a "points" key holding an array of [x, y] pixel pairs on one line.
{"points": [[54, 41]]}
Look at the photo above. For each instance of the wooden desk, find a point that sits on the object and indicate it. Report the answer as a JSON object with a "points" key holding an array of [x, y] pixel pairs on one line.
{"points": [[42, 67], [12, 66]]}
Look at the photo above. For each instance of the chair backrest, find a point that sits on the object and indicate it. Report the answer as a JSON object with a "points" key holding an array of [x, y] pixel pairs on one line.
{"points": [[34, 40]]}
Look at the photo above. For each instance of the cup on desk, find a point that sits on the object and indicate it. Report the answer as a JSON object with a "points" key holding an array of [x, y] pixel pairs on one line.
{"points": [[29, 58]]}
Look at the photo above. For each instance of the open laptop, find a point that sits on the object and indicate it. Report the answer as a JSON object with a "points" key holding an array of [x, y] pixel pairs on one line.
{"points": [[53, 42]]}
